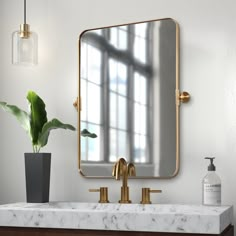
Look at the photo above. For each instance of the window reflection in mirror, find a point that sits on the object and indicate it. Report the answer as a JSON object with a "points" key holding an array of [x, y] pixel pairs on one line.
{"points": [[105, 87], [128, 79]]}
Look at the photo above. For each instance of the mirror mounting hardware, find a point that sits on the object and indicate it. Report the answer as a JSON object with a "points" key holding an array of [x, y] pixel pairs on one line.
{"points": [[77, 104], [184, 97]]}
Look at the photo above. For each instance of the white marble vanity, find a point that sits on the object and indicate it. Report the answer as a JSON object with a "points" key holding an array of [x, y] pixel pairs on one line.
{"points": [[118, 217]]}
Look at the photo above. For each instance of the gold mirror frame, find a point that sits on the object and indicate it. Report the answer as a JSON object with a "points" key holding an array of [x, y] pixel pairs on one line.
{"points": [[181, 97]]}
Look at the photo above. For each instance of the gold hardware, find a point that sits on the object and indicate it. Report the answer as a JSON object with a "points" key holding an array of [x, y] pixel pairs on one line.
{"points": [[24, 31], [76, 104], [184, 97], [124, 169], [146, 195], [103, 194]]}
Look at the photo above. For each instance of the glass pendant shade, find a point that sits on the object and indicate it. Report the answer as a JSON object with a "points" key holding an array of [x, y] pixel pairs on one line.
{"points": [[24, 46]]}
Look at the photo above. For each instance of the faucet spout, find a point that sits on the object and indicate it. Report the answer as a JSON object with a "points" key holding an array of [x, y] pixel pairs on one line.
{"points": [[123, 169], [131, 169]]}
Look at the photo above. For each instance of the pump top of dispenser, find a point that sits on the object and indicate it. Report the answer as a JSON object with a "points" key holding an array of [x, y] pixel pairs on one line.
{"points": [[211, 167]]}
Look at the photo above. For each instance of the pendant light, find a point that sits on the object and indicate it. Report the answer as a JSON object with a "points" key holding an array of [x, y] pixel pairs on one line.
{"points": [[24, 45]]}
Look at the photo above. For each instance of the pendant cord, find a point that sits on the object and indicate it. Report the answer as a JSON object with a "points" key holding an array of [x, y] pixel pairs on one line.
{"points": [[24, 11]]}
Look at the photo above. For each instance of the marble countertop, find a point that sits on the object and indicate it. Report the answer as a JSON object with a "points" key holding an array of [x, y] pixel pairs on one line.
{"points": [[114, 216]]}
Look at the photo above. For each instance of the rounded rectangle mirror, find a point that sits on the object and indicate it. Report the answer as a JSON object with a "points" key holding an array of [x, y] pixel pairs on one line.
{"points": [[128, 98]]}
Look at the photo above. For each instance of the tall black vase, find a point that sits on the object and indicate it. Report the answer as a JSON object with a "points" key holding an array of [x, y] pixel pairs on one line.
{"points": [[37, 176]]}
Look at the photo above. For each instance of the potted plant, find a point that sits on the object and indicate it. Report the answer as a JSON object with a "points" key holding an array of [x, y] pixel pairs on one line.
{"points": [[37, 126]]}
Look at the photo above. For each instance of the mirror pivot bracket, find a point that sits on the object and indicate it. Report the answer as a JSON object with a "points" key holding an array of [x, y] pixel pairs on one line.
{"points": [[183, 97]]}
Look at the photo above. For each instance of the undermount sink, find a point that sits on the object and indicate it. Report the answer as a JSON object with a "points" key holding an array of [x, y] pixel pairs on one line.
{"points": [[115, 216]]}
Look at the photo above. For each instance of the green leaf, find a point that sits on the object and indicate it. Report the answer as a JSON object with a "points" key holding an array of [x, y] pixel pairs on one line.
{"points": [[19, 114], [50, 125], [38, 116], [86, 133]]}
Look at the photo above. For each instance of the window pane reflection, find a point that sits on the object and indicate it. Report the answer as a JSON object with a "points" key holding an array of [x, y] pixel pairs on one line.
{"points": [[112, 75], [140, 88], [113, 146], [83, 92], [94, 65], [119, 37], [140, 149], [143, 94], [83, 61], [122, 112], [117, 77], [118, 145], [113, 110], [140, 42], [94, 153], [94, 103], [137, 121], [122, 40], [137, 88], [141, 30], [140, 122], [143, 119], [122, 142], [122, 78], [136, 148], [118, 111], [143, 156], [140, 49], [114, 36]]}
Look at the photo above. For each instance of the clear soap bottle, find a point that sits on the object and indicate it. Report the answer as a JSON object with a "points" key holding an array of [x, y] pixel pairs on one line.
{"points": [[211, 186]]}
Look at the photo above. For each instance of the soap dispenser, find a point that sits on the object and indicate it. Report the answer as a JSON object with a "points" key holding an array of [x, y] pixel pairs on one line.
{"points": [[211, 186]]}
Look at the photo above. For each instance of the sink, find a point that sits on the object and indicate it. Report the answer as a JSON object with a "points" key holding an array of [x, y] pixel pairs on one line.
{"points": [[115, 216]]}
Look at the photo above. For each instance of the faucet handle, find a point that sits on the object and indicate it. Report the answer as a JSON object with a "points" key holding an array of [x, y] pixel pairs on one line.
{"points": [[146, 195], [103, 194]]}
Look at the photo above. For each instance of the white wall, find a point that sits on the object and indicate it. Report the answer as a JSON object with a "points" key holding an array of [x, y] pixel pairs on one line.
{"points": [[208, 72]]}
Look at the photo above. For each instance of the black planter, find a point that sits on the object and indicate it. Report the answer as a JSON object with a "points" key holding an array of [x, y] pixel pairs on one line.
{"points": [[37, 176]]}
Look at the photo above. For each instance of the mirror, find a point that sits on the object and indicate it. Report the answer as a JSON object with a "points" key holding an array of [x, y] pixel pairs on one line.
{"points": [[128, 85]]}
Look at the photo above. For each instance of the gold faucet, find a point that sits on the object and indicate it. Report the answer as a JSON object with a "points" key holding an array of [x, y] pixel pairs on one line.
{"points": [[124, 169]]}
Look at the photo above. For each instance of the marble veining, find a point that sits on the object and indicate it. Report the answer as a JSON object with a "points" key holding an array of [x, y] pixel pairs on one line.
{"points": [[114, 216]]}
